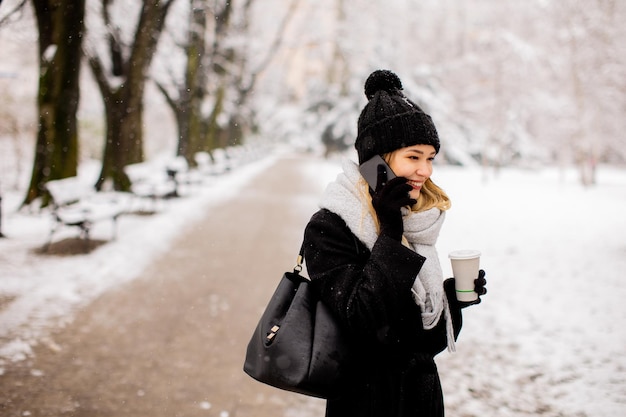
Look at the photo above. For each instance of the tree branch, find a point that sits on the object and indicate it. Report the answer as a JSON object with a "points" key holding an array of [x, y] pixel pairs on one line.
{"points": [[16, 9], [98, 72], [173, 103], [278, 40]]}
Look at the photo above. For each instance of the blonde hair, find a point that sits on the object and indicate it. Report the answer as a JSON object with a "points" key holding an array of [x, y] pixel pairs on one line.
{"points": [[431, 196]]}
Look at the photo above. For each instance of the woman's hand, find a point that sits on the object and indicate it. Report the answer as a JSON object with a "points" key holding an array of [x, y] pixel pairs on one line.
{"points": [[387, 200], [480, 287], [480, 284]]}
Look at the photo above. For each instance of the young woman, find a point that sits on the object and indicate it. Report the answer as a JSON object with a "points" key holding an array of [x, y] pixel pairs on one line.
{"points": [[370, 251]]}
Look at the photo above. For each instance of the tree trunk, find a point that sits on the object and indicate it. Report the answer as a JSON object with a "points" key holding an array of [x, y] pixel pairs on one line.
{"points": [[221, 62], [123, 102], [199, 132], [60, 26], [212, 129], [194, 91], [244, 78]]}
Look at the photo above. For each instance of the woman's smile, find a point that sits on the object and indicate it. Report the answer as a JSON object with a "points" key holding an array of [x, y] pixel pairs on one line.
{"points": [[417, 185]]}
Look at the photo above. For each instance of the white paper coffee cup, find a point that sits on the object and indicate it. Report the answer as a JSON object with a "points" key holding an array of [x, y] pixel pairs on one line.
{"points": [[465, 266]]}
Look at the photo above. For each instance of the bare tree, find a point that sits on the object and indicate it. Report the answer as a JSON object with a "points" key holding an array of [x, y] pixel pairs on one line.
{"points": [[121, 75], [188, 109], [592, 41], [218, 70], [187, 99], [60, 26], [235, 73], [244, 72]]}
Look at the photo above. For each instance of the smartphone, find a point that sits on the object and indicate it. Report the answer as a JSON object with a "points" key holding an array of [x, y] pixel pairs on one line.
{"points": [[369, 171]]}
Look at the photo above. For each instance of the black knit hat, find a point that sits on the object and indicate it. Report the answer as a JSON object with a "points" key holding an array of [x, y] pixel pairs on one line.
{"points": [[391, 121]]}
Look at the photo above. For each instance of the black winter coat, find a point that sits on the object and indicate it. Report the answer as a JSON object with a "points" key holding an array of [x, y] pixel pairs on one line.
{"points": [[370, 293]]}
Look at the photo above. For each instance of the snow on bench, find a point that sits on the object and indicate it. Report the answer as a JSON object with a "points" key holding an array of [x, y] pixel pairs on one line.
{"points": [[151, 181], [76, 203], [179, 170], [217, 164]]}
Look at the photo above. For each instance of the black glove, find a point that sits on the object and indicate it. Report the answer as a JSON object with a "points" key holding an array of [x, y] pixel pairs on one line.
{"points": [[387, 200], [479, 288]]}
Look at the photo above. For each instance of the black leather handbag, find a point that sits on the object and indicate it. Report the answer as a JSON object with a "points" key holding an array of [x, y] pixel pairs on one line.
{"points": [[297, 345]]}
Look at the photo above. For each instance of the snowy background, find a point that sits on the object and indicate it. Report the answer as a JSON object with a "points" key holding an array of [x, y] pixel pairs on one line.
{"points": [[547, 340], [503, 83]]}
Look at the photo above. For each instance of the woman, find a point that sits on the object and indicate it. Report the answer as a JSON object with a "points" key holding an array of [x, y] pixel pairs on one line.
{"points": [[370, 252]]}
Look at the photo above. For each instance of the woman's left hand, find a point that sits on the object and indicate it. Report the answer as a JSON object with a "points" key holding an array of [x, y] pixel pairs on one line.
{"points": [[480, 288], [480, 284]]}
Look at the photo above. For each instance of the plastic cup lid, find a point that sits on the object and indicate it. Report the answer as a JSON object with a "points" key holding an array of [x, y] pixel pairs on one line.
{"points": [[464, 254]]}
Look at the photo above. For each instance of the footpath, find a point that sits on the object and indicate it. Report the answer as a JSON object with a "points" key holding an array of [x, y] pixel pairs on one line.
{"points": [[172, 342]]}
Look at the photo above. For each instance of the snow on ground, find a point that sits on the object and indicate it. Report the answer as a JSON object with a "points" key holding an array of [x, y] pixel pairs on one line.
{"points": [[548, 339], [551, 327], [39, 290]]}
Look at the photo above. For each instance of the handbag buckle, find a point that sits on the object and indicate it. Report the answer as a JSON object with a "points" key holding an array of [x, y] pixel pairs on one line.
{"points": [[272, 333], [298, 267]]}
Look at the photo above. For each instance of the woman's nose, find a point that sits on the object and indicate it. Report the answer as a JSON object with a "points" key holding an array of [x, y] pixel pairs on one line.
{"points": [[421, 169]]}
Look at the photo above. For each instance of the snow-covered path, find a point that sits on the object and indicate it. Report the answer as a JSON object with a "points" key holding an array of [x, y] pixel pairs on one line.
{"points": [[547, 340], [39, 290]]}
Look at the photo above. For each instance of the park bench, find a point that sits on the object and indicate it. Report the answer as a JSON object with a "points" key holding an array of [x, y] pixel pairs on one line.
{"points": [[151, 182], [216, 163], [75, 203], [182, 173]]}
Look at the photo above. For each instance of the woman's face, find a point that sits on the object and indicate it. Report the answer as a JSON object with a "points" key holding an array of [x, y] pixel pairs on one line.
{"points": [[415, 163]]}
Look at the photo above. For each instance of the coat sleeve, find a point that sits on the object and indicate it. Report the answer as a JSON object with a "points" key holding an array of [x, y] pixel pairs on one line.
{"points": [[369, 291]]}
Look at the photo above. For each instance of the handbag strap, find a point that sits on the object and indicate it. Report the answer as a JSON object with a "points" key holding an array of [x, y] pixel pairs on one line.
{"points": [[299, 260]]}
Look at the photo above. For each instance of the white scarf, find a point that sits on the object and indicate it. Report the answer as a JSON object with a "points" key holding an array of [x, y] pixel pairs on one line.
{"points": [[345, 198]]}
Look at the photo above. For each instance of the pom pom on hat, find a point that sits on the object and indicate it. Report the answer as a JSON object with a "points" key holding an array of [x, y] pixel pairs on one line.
{"points": [[384, 80], [390, 121]]}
